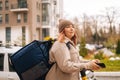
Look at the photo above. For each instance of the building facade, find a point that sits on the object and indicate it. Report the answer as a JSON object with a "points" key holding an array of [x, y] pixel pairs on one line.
{"points": [[22, 21], [52, 11]]}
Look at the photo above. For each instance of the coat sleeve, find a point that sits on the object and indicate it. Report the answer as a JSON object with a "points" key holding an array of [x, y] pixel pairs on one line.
{"points": [[62, 57], [83, 60]]}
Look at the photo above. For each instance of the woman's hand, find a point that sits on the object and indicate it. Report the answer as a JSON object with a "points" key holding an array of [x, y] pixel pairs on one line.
{"points": [[92, 65], [61, 37], [96, 60]]}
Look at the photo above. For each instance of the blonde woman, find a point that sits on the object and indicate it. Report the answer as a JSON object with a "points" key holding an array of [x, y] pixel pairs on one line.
{"points": [[67, 62]]}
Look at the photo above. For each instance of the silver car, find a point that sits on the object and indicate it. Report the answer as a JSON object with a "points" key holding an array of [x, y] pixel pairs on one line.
{"points": [[6, 71]]}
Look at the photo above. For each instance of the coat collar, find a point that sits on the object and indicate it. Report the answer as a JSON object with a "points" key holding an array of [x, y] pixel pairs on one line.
{"points": [[68, 40]]}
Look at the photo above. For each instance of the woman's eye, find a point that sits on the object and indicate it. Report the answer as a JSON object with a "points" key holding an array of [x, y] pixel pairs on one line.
{"points": [[70, 26], [67, 26]]}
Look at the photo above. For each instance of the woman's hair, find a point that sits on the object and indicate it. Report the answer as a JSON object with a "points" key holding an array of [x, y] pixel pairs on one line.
{"points": [[74, 39]]}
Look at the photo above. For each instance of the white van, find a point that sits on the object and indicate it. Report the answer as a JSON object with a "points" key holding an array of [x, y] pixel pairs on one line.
{"points": [[6, 71]]}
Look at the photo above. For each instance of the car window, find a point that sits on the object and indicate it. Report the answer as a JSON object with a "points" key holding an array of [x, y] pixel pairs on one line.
{"points": [[10, 66], [1, 61]]}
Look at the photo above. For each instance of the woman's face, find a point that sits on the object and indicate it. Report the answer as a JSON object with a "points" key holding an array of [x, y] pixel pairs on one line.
{"points": [[69, 31]]}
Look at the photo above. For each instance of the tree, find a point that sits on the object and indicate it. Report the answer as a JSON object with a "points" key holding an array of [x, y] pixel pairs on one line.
{"points": [[89, 34], [85, 23], [102, 35], [78, 32], [111, 16], [95, 20], [118, 47], [96, 37], [83, 50]]}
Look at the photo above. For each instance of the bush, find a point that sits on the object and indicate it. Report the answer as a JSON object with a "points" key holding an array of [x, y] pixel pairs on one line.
{"points": [[83, 51], [111, 65], [118, 47], [99, 55]]}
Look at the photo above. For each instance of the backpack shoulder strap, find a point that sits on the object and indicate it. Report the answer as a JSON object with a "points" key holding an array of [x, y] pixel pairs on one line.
{"points": [[68, 45]]}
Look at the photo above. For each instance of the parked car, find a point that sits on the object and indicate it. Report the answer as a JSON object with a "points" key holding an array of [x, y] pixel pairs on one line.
{"points": [[6, 71]]}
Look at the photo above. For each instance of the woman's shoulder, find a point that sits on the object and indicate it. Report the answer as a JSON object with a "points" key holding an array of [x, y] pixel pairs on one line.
{"points": [[58, 44]]}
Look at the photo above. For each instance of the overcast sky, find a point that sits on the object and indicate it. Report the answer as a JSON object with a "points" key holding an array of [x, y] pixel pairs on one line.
{"points": [[90, 7]]}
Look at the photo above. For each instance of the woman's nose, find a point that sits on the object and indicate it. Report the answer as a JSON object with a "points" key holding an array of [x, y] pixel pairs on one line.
{"points": [[72, 28]]}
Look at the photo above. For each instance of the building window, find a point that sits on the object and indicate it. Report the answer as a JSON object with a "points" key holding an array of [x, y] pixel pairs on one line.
{"points": [[23, 36], [25, 17], [38, 18], [45, 32], [18, 18], [37, 5], [8, 34], [6, 18], [6, 5], [1, 61], [22, 3], [45, 14], [0, 18], [0, 5]]}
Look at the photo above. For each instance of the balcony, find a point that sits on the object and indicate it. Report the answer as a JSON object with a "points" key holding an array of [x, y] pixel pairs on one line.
{"points": [[46, 1], [19, 7]]}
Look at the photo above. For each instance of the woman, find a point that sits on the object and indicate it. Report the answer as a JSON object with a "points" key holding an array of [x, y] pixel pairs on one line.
{"points": [[67, 62]]}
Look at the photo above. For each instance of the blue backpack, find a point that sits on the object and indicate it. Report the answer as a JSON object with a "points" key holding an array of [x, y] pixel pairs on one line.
{"points": [[32, 61]]}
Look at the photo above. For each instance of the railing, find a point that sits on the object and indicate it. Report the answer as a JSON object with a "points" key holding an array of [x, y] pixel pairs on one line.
{"points": [[16, 6], [107, 75]]}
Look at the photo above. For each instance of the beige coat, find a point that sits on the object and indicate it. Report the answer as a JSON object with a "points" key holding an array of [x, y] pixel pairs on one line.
{"points": [[67, 63]]}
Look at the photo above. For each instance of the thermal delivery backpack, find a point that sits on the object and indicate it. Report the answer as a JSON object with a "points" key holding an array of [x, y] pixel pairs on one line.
{"points": [[31, 61]]}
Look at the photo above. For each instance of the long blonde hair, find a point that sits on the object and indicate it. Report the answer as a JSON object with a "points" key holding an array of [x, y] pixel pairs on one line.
{"points": [[74, 39]]}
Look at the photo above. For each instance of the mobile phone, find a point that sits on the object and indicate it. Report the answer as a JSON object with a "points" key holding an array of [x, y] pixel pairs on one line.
{"points": [[102, 65]]}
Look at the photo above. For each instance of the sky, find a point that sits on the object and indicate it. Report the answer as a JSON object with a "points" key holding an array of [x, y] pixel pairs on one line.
{"points": [[74, 8]]}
